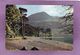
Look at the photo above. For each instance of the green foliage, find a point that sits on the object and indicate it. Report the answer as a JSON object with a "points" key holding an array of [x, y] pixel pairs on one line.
{"points": [[68, 21], [12, 16], [12, 13]]}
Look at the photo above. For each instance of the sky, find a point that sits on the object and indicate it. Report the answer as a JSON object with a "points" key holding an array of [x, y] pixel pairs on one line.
{"points": [[52, 10]]}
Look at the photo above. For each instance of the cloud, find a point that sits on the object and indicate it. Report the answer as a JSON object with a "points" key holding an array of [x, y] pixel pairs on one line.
{"points": [[51, 10], [54, 10]]}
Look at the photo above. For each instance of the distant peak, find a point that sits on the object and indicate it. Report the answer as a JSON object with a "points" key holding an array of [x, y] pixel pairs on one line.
{"points": [[40, 13]]}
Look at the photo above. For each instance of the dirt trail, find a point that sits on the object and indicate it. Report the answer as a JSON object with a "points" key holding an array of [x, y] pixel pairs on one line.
{"points": [[41, 44]]}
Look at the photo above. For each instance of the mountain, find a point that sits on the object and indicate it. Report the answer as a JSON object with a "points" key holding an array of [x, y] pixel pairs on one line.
{"points": [[44, 20], [41, 16]]}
